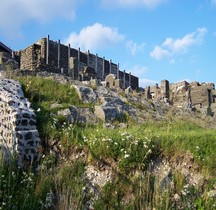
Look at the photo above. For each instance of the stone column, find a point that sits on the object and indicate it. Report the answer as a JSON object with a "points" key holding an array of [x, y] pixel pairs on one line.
{"points": [[69, 59], [47, 50], [103, 68], [78, 59], [59, 53], [147, 92], [124, 80], [88, 58], [96, 64], [117, 73], [110, 69], [130, 79]]}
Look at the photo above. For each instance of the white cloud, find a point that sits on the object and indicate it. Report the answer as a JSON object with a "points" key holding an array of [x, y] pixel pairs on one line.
{"points": [[159, 53], [95, 37], [173, 46], [134, 48], [132, 3], [14, 13]]}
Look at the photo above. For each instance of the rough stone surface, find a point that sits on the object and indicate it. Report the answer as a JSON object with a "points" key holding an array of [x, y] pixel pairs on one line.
{"points": [[18, 130], [86, 94], [79, 115]]}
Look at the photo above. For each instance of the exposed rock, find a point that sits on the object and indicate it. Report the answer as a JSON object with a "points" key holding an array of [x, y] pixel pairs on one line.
{"points": [[128, 90], [184, 163], [86, 94], [79, 115], [106, 113]]}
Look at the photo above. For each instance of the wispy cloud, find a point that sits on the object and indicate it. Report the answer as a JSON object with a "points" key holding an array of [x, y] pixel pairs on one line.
{"points": [[95, 37], [14, 13], [133, 3], [159, 53], [134, 47], [181, 45]]}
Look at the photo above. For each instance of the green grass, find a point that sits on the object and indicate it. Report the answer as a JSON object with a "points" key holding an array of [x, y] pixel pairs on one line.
{"points": [[42, 93], [128, 151]]}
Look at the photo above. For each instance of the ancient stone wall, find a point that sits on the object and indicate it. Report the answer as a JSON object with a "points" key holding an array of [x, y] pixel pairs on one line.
{"points": [[200, 96], [55, 57], [18, 133], [183, 94]]}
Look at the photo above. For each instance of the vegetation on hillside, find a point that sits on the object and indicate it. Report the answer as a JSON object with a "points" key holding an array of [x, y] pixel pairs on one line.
{"points": [[130, 152]]}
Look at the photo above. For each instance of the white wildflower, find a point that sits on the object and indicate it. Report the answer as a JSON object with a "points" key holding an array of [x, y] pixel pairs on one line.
{"points": [[126, 155]]}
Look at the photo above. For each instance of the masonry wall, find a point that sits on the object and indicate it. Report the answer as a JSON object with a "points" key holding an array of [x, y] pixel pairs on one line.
{"points": [[18, 131], [200, 96], [35, 58]]}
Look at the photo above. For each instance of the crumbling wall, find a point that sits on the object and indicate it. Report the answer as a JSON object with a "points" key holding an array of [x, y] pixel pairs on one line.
{"points": [[58, 60], [18, 133], [200, 96]]}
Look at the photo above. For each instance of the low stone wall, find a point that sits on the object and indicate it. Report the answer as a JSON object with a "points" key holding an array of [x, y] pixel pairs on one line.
{"points": [[18, 133]]}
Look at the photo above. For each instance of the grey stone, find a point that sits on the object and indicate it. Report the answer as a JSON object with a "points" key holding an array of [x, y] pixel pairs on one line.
{"points": [[86, 94]]}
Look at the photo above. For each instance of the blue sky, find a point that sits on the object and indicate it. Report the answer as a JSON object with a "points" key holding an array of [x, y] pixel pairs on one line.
{"points": [[153, 39]]}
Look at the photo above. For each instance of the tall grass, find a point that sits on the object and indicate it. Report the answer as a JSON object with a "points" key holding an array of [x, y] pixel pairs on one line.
{"points": [[129, 152]]}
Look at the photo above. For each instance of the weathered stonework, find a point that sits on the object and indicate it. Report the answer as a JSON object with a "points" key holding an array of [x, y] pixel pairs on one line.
{"points": [[183, 94], [18, 133], [51, 56]]}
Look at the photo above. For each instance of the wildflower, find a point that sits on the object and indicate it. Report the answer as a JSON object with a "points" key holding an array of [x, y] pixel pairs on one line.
{"points": [[126, 156], [149, 151]]}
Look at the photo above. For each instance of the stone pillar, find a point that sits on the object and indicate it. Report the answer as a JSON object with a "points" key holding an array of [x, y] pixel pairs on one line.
{"points": [[147, 92], [69, 59], [88, 58], [47, 50], [110, 69], [165, 88], [96, 64], [130, 79], [78, 59], [124, 80], [103, 68], [59, 53], [117, 73]]}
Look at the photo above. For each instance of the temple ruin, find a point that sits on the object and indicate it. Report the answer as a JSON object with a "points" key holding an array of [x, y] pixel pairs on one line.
{"points": [[51, 56]]}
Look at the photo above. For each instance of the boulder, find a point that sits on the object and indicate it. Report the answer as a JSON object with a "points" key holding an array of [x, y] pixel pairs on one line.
{"points": [[106, 113], [86, 94], [79, 115]]}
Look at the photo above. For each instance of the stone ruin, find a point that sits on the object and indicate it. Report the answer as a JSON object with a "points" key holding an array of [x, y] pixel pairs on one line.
{"points": [[183, 94], [18, 133], [51, 56]]}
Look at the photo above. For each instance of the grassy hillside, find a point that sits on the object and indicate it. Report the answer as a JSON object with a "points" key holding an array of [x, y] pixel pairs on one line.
{"points": [[131, 153]]}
